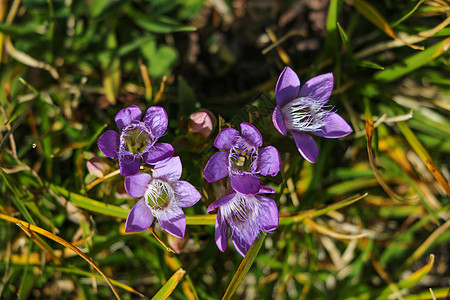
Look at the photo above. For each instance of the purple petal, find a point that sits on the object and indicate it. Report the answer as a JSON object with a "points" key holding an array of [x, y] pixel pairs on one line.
{"points": [[169, 171], [220, 202], [335, 127], [269, 218], [288, 87], [129, 165], [160, 152], [137, 184], [156, 118], [245, 183], [187, 195], [173, 221], [140, 217], [221, 233], [319, 87], [226, 138], [127, 115], [241, 246], [251, 134], [108, 143], [306, 146], [266, 190], [278, 120], [217, 167], [269, 161]]}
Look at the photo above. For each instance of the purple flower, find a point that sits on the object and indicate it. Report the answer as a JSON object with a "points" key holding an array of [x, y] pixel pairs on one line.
{"points": [[242, 159], [137, 139], [163, 196], [302, 111], [247, 216]]}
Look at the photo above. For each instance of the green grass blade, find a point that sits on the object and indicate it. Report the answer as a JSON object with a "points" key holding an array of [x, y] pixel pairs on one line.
{"points": [[90, 204], [244, 267], [413, 62], [170, 285], [286, 220]]}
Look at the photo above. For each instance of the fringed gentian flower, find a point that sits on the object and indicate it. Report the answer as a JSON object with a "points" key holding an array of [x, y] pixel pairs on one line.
{"points": [[137, 139], [162, 196], [302, 110], [242, 160], [247, 216]]}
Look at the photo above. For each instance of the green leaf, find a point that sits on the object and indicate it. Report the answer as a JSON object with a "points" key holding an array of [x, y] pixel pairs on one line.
{"points": [[161, 24], [160, 59]]}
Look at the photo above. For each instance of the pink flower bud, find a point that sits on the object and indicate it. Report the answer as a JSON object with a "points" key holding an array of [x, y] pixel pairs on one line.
{"points": [[202, 123], [99, 166]]}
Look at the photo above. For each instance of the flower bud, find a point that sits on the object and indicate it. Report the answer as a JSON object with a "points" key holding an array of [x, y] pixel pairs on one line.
{"points": [[99, 166], [202, 123]]}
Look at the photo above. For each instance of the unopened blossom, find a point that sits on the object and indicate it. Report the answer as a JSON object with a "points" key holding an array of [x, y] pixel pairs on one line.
{"points": [[246, 215], [162, 196], [302, 111], [243, 159], [202, 123], [136, 139]]}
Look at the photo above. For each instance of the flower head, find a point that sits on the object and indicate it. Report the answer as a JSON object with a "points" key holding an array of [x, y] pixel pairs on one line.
{"points": [[302, 110], [202, 123], [247, 216], [162, 196], [137, 139], [243, 159]]}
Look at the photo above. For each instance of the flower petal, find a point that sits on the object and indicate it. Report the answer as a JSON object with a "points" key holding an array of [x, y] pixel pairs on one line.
{"points": [[266, 190], [335, 127], [278, 120], [127, 115], [306, 146], [160, 152], [140, 217], [241, 246], [170, 171], [319, 87], [187, 195], [137, 184], [174, 222], [288, 87], [269, 161], [129, 165], [156, 119], [220, 202], [245, 183], [251, 134], [108, 143], [226, 138], [221, 233], [217, 167], [269, 217]]}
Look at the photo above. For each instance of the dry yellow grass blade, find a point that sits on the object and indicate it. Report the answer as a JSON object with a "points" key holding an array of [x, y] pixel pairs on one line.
{"points": [[377, 19], [29, 228], [369, 132], [168, 249], [385, 276], [333, 234], [100, 180], [397, 43], [427, 243]]}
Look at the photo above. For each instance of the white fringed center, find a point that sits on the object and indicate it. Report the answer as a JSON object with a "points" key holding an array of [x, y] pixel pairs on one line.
{"points": [[159, 197], [243, 157], [305, 114]]}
